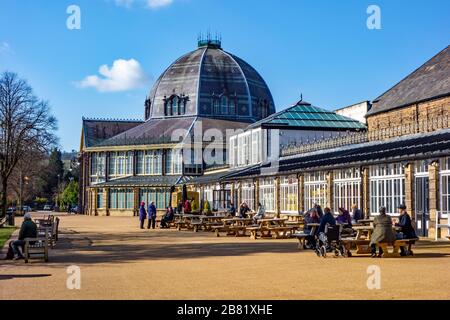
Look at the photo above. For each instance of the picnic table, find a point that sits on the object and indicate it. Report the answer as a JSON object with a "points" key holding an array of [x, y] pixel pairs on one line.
{"points": [[270, 227], [236, 226]]}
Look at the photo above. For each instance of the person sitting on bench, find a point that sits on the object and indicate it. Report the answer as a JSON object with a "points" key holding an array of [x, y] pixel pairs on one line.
{"points": [[406, 228], [168, 217], [27, 230], [382, 232], [260, 213]]}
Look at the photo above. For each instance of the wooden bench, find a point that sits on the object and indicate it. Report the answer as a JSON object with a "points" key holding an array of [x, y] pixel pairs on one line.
{"points": [[196, 225], [181, 225], [301, 236], [220, 228], [396, 247], [362, 246], [36, 246], [253, 231], [2, 222], [238, 231], [281, 232]]}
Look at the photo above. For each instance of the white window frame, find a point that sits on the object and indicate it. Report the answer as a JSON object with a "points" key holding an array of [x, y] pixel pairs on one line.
{"points": [[289, 194], [386, 176], [248, 193], [267, 194], [349, 181], [315, 189], [444, 174]]}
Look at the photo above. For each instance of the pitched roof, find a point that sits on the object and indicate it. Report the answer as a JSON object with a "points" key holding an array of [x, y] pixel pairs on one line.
{"points": [[158, 131], [137, 181], [431, 80], [94, 131], [406, 148], [305, 116]]}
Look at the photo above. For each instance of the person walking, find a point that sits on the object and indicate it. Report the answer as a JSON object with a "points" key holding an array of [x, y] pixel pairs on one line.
{"points": [[142, 214], [382, 232], [151, 215]]}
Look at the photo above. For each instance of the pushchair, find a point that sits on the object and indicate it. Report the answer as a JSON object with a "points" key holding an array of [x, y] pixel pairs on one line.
{"points": [[330, 242]]}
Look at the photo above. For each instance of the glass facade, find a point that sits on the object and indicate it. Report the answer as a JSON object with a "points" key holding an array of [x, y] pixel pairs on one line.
{"points": [[248, 193], [160, 196], [121, 199], [315, 189], [387, 187], [289, 194], [267, 194], [347, 188], [444, 175]]}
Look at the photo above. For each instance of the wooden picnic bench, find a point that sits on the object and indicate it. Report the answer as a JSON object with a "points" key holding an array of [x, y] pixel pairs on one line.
{"points": [[220, 228], [38, 245], [362, 245], [2, 221], [281, 232], [396, 247]]}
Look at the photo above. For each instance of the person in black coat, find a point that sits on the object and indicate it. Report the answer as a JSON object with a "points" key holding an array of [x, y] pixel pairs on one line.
{"points": [[327, 218], [406, 228]]}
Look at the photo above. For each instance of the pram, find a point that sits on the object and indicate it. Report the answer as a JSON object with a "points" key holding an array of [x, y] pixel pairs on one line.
{"points": [[330, 242]]}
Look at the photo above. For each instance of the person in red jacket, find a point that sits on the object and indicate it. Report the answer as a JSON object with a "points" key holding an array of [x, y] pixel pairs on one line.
{"points": [[187, 207]]}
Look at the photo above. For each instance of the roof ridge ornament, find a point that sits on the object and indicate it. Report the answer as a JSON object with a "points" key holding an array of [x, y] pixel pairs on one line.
{"points": [[209, 41]]}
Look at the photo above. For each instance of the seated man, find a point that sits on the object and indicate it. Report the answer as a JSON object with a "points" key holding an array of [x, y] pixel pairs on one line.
{"points": [[382, 232], [27, 230], [168, 217], [406, 228], [232, 210]]}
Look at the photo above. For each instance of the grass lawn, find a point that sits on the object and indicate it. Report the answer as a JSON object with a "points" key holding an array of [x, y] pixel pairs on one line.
{"points": [[5, 233]]}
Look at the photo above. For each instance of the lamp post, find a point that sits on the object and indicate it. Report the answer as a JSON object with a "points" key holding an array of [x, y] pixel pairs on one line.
{"points": [[58, 202]]}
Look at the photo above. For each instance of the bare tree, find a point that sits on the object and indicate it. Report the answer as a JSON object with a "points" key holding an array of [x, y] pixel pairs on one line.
{"points": [[26, 127]]}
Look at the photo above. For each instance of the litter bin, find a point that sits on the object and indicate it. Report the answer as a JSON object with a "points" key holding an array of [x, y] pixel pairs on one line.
{"points": [[10, 218]]}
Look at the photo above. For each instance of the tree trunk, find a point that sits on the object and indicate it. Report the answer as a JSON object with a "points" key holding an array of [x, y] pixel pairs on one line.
{"points": [[4, 197]]}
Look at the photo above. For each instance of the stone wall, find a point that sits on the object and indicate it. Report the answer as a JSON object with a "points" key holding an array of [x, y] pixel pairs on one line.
{"points": [[416, 114]]}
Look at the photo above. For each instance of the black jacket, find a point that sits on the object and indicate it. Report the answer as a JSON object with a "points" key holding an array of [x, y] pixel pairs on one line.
{"points": [[405, 224], [28, 230], [327, 218]]}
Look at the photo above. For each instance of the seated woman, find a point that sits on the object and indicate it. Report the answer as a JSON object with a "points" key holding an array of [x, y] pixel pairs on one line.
{"points": [[168, 217], [260, 213], [345, 219], [382, 232], [311, 216]]}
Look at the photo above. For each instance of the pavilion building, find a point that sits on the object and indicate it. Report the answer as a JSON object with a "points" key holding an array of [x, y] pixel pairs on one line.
{"points": [[398, 153]]}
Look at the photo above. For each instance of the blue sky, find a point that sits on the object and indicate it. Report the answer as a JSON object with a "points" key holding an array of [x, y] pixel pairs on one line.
{"points": [[322, 49]]}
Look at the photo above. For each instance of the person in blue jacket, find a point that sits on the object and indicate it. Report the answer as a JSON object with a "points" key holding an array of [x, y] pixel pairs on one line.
{"points": [[151, 215], [142, 214], [327, 218]]}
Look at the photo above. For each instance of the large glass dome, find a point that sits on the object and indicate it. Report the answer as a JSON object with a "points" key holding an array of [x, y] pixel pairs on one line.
{"points": [[210, 82]]}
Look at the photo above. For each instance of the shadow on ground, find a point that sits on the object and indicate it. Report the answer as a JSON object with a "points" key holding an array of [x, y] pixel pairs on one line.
{"points": [[26, 276]]}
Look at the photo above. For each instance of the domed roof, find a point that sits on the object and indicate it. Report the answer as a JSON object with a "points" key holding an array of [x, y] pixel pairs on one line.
{"points": [[210, 82]]}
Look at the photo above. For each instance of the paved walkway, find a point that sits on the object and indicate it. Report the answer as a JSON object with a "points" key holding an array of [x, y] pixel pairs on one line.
{"points": [[120, 261]]}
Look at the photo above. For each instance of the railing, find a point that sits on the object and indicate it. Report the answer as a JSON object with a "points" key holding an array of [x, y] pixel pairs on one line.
{"points": [[349, 138]]}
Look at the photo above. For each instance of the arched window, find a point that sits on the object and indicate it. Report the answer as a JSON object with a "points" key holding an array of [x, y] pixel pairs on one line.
{"points": [[175, 109], [232, 106], [224, 105]]}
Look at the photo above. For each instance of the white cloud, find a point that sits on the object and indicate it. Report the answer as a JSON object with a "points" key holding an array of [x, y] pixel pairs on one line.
{"points": [[122, 76], [154, 4], [151, 4], [124, 3], [5, 47]]}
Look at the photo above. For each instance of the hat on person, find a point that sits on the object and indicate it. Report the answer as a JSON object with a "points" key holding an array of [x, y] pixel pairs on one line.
{"points": [[402, 206], [27, 216]]}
